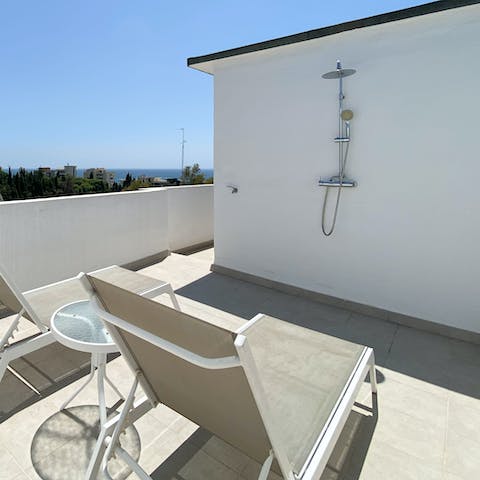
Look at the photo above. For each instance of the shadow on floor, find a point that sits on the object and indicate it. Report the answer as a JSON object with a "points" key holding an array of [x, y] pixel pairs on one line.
{"points": [[182, 458], [212, 461], [351, 449], [5, 311], [46, 370], [62, 446], [448, 363]]}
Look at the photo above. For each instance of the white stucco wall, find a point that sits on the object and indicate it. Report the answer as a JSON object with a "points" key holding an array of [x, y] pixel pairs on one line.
{"points": [[190, 216], [407, 238], [43, 241]]}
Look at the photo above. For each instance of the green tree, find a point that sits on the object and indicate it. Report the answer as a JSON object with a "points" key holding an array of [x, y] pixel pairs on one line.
{"points": [[68, 185], [34, 184], [135, 185], [193, 175], [127, 181]]}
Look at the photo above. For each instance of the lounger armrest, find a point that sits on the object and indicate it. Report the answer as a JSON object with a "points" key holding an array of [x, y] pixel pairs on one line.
{"points": [[247, 325], [50, 285], [174, 349]]}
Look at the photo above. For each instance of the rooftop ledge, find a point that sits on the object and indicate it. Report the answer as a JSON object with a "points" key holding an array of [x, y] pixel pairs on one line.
{"points": [[101, 195], [86, 232]]}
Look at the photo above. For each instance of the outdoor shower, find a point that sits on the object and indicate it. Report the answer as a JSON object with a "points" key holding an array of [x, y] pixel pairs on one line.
{"points": [[343, 140]]}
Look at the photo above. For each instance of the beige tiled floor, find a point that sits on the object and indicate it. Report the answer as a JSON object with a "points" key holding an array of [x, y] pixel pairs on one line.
{"points": [[427, 426]]}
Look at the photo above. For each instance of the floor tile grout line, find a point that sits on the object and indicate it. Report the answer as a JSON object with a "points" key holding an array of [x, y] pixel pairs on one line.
{"points": [[445, 439], [223, 463], [413, 386], [466, 437], [403, 412], [414, 455], [22, 470], [393, 338]]}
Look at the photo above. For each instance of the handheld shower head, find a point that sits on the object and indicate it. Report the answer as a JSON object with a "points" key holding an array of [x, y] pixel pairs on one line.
{"points": [[347, 129], [346, 116]]}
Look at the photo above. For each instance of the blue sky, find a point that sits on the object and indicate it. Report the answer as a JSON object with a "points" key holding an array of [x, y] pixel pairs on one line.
{"points": [[105, 82]]}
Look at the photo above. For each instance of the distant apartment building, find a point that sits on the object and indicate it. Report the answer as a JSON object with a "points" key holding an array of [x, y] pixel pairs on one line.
{"points": [[100, 174], [70, 170], [159, 181], [153, 181]]}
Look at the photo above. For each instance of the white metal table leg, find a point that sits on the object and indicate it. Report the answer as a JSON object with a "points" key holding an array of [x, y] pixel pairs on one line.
{"points": [[89, 379], [114, 388], [98, 363], [101, 361], [97, 458]]}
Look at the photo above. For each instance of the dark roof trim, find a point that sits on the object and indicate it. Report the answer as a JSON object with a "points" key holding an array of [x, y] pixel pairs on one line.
{"points": [[417, 11]]}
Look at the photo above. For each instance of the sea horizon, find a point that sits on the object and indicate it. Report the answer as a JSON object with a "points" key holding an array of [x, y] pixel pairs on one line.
{"points": [[121, 173]]}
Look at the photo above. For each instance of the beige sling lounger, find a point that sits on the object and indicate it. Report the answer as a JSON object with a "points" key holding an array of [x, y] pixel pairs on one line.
{"points": [[39, 304], [271, 389]]}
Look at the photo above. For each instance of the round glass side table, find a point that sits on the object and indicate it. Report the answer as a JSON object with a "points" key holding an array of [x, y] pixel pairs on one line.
{"points": [[77, 326]]}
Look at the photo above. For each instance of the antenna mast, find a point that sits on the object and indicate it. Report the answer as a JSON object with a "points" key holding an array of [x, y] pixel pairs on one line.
{"points": [[183, 142]]}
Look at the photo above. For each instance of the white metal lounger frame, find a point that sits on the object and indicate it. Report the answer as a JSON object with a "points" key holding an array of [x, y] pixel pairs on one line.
{"points": [[108, 446], [10, 352]]}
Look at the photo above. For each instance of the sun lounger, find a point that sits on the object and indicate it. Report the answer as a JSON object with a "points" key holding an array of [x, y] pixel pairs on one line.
{"points": [[278, 392], [39, 304]]}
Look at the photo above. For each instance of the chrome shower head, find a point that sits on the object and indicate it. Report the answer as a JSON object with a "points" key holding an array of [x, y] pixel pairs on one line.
{"points": [[340, 73]]}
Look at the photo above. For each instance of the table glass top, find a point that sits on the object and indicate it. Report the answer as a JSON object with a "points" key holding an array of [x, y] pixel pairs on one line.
{"points": [[79, 322]]}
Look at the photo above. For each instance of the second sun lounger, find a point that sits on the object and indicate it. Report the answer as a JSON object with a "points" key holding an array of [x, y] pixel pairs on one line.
{"points": [[38, 305], [272, 389]]}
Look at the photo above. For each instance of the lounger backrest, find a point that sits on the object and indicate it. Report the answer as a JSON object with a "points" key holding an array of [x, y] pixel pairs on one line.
{"points": [[11, 296], [218, 400]]}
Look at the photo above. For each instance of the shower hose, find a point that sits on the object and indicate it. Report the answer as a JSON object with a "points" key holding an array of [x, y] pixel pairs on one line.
{"points": [[342, 162]]}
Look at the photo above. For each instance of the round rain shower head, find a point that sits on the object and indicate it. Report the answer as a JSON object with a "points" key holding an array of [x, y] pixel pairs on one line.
{"points": [[346, 115], [340, 73]]}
